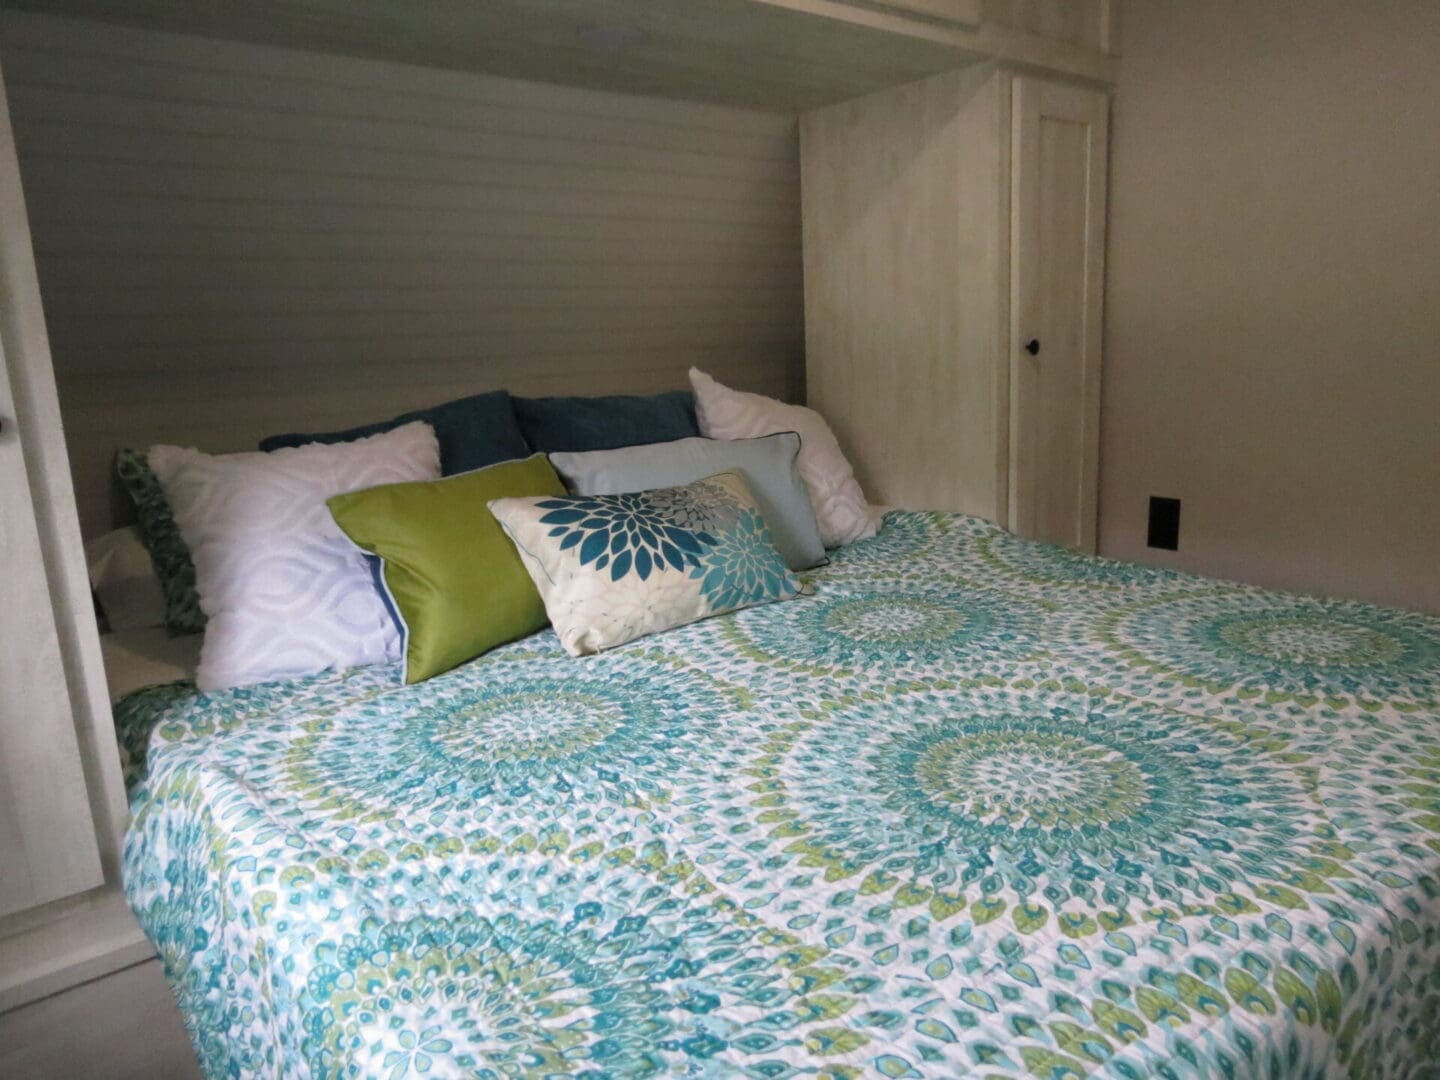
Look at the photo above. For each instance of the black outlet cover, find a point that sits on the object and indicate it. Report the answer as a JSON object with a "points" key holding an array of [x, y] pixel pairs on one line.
{"points": [[1164, 529]]}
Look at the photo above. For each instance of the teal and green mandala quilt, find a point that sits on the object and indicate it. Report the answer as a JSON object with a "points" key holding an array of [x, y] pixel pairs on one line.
{"points": [[979, 807]]}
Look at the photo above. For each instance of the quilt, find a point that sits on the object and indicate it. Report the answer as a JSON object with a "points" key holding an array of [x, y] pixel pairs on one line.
{"points": [[977, 807]]}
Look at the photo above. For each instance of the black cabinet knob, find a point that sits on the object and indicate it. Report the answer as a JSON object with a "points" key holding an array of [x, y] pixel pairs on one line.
{"points": [[1033, 347]]}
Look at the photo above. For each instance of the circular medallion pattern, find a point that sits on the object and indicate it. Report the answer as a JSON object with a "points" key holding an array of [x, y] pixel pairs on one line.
{"points": [[901, 537], [874, 633], [1304, 641], [1076, 794], [531, 725], [901, 622], [1288, 645], [1053, 567], [1107, 830], [483, 996], [1001, 780], [456, 744]]}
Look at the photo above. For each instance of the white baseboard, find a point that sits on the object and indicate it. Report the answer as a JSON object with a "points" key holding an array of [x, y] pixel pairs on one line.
{"points": [[91, 936]]}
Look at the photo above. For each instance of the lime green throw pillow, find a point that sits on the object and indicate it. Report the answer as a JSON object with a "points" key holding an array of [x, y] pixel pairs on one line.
{"points": [[454, 579]]}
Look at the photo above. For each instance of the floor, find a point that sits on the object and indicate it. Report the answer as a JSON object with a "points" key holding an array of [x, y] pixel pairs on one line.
{"points": [[122, 1027]]}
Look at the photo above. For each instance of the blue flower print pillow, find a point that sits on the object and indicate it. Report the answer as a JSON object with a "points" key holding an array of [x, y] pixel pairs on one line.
{"points": [[612, 568]]}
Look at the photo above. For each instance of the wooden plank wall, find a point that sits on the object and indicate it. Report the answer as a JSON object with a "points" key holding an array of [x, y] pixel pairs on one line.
{"points": [[234, 240]]}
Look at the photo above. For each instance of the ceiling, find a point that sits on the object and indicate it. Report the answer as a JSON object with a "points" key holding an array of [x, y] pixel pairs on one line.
{"points": [[778, 55]]}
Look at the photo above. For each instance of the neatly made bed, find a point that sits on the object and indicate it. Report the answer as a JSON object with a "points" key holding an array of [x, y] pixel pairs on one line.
{"points": [[977, 807]]}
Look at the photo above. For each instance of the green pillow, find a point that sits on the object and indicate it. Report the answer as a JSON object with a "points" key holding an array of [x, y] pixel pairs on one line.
{"points": [[455, 581]]}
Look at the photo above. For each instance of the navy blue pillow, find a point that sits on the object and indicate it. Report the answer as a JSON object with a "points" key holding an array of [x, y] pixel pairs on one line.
{"points": [[553, 425], [473, 432]]}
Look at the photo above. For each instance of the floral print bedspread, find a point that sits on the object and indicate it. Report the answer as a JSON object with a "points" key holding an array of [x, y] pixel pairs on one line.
{"points": [[979, 807]]}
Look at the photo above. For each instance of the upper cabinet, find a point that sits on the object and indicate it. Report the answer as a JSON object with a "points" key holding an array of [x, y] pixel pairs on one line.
{"points": [[62, 801], [48, 845], [787, 56], [50, 838], [1089, 24]]}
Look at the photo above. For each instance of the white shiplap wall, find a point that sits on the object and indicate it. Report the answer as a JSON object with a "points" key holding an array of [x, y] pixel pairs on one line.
{"points": [[234, 240]]}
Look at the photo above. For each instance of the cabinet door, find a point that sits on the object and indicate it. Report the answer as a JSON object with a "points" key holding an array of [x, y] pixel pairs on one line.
{"points": [[1057, 270], [49, 848]]}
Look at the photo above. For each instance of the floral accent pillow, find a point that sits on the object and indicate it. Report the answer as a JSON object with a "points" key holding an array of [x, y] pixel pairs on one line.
{"points": [[612, 568]]}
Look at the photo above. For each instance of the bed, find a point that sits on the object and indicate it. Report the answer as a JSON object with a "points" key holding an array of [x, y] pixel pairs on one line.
{"points": [[976, 807]]}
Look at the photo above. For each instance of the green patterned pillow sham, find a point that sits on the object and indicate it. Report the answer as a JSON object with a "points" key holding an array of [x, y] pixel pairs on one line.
{"points": [[612, 568], [162, 540]]}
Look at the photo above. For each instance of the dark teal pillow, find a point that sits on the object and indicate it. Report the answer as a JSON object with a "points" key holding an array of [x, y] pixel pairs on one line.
{"points": [[473, 432], [554, 425], [161, 536]]}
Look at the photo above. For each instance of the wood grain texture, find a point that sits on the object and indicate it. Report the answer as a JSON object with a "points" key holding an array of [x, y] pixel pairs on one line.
{"points": [[48, 846], [46, 950], [61, 802], [903, 269], [946, 224], [62, 773], [235, 240], [1057, 301], [1091, 24], [124, 1026]]}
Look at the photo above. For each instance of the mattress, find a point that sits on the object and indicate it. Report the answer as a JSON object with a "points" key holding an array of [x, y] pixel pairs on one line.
{"points": [[977, 807]]}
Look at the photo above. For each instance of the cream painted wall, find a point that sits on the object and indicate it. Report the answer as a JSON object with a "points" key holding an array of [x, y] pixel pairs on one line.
{"points": [[1273, 313]]}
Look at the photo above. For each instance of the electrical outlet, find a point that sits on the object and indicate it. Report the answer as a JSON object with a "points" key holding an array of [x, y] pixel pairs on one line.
{"points": [[1164, 529]]}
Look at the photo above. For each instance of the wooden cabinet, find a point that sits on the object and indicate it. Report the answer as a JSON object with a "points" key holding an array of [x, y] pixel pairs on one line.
{"points": [[947, 224], [48, 846], [1091, 24], [1057, 274], [62, 802]]}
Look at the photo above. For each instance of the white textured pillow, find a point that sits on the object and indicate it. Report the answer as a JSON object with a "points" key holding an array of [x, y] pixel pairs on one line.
{"points": [[840, 507], [285, 592]]}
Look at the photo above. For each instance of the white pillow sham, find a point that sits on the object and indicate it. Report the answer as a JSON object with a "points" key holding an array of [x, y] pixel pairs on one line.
{"points": [[840, 507], [285, 592]]}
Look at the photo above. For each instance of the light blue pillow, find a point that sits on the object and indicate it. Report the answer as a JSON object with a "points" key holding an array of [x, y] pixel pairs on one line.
{"points": [[767, 464]]}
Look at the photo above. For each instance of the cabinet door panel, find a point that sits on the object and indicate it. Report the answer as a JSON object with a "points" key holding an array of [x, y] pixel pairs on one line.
{"points": [[48, 845], [1057, 272]]}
